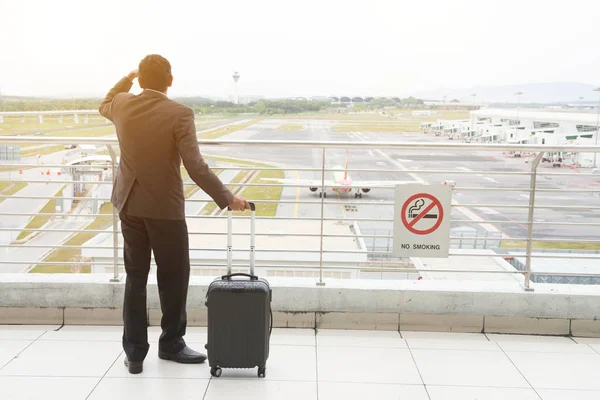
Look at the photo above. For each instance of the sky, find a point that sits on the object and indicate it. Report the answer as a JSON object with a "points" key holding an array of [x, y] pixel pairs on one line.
{"points": [[297, 48]]}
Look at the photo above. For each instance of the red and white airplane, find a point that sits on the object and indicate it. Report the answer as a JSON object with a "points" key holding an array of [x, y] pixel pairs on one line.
{"points": [[341, 183]]}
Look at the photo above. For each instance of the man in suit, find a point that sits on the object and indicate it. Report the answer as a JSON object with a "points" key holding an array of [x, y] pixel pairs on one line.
{"points": [[155, 135]]}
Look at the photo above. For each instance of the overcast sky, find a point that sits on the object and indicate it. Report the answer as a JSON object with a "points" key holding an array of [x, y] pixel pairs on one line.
{"points": [[297, 48]]}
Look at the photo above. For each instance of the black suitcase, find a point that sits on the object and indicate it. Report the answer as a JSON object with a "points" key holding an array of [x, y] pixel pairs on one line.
{"points": [[239, 315]]}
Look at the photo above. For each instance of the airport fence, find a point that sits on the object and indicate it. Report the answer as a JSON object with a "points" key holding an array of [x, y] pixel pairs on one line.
{"points": [[379, 239]]}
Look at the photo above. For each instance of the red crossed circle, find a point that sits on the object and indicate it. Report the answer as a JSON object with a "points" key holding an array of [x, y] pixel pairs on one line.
{"points": [[434, 203]]}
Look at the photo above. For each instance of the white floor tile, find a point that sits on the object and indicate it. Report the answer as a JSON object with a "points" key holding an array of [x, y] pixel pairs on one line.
{"points": [[585, 340], [85, 333], [150, 389], [34, 388], [595, 347], [479, 393], [260, 389], [10, 348], [460, 344], [24, 332], [363, 391], [554, 394], [73, 359], [366, 364], [495, 337], [154, 367], [444, 336], [350, 338], [570, 348], [285, 363], [558, 370], [468, 368], [293, 337]]}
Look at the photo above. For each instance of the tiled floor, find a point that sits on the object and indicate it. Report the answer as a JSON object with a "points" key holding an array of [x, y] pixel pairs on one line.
{"points": [[78, 363]]}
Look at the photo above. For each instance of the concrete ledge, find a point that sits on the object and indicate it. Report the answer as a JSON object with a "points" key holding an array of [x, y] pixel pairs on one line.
{"points": [[93, 316], [282, 319], [31, 316], [370, 321], [343, 304], [585, 328], [441, 323], [527, 326]]}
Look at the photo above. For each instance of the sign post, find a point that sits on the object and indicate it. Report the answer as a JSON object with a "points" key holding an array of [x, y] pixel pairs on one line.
{"points": [[422, 221]]}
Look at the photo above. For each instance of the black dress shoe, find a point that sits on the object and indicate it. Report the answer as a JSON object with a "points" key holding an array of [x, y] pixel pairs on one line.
{"points": [[185, 356], [135, 367]]}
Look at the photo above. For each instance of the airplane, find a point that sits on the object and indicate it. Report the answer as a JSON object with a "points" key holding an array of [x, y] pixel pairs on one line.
{"points": [[340, 183]]}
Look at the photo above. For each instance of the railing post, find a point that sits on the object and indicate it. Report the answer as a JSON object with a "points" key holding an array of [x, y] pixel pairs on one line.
{"points": [[115, 219], [532, 187], [321, 283]]}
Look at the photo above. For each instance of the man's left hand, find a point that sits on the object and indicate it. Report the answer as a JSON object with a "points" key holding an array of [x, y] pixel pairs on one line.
{"points": [[133, 74]]}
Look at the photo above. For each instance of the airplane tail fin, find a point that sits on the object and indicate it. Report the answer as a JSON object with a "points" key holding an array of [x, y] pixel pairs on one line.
{"points": [[346, 170]]}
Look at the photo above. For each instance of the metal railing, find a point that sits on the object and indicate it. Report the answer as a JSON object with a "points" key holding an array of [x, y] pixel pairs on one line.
{"points": [[531, 189]]}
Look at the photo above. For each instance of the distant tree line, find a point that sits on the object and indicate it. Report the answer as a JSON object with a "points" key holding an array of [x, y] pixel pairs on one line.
{"points": [[207, 106]]}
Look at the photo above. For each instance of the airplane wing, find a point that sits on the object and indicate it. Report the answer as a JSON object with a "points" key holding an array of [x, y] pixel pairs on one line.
{"points": [[309, 182], [368, 184]]}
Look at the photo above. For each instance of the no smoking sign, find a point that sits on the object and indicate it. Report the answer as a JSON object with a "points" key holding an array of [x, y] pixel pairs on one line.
{"points": [[422, 221]]}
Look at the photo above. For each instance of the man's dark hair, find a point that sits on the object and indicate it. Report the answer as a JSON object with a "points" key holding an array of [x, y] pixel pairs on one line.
{"points": [[155, 71]]}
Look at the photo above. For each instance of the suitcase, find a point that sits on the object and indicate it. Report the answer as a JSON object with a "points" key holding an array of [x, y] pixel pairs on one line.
{"points": [[240, 319]]}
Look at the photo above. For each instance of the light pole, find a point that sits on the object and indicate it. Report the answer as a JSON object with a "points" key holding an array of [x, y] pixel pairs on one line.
{"points": [[236, 78], [597, 120], [518, 109], [472, 109]]}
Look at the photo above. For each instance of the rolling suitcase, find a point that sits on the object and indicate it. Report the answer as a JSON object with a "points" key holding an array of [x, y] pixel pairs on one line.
{"points": [[239, 315]]}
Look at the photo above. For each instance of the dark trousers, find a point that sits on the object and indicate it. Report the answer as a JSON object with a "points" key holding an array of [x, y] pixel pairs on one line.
{"points": [[169, 241]]}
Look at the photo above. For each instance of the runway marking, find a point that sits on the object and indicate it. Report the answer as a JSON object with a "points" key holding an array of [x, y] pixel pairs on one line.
{"points": [[341, 206], [487, 178], [297, 197], [464, 168]]}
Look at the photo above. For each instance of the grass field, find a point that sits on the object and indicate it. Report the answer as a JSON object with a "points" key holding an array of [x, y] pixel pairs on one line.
{"points": [[14, 126], [226, 130], [94, 132], [209, 208], [521, 244], [290, 127], [38, 221], [8, 189], [263, 193], [74, 255], [42, 151]]}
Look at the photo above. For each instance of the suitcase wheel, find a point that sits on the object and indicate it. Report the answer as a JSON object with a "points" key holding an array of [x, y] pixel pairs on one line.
{"points": [[262, 372], [216, 371]]}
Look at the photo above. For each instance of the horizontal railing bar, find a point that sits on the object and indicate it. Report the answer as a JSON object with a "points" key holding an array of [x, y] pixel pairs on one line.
{"points": [[412, 146], [308, 219], [338, 267], [292, 234], [185, 183], [304, 251], [476, 205], [305, 169]]}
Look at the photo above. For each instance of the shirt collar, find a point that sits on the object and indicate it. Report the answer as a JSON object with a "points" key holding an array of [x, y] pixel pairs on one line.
{"points": [[156, 91]]}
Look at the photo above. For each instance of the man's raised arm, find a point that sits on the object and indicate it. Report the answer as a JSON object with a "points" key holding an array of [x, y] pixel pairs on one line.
{"points": [[123, 86]]}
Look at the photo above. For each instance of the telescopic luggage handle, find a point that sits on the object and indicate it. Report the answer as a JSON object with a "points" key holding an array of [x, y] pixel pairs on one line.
{"points": [[229, 238], [229, 276]]}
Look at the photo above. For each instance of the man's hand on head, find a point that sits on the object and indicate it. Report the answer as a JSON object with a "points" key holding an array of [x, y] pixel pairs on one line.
{"points": [[239, 203], [132, 75]]}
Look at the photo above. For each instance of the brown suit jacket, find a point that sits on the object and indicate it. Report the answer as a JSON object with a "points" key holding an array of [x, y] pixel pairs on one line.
{"points": [[155, 135]]}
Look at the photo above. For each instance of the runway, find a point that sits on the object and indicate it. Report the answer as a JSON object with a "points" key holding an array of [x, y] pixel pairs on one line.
{"points": [[511, 222]]}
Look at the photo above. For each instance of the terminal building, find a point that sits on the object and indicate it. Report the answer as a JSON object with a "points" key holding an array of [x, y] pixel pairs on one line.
{"points": [[517, 126]]}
